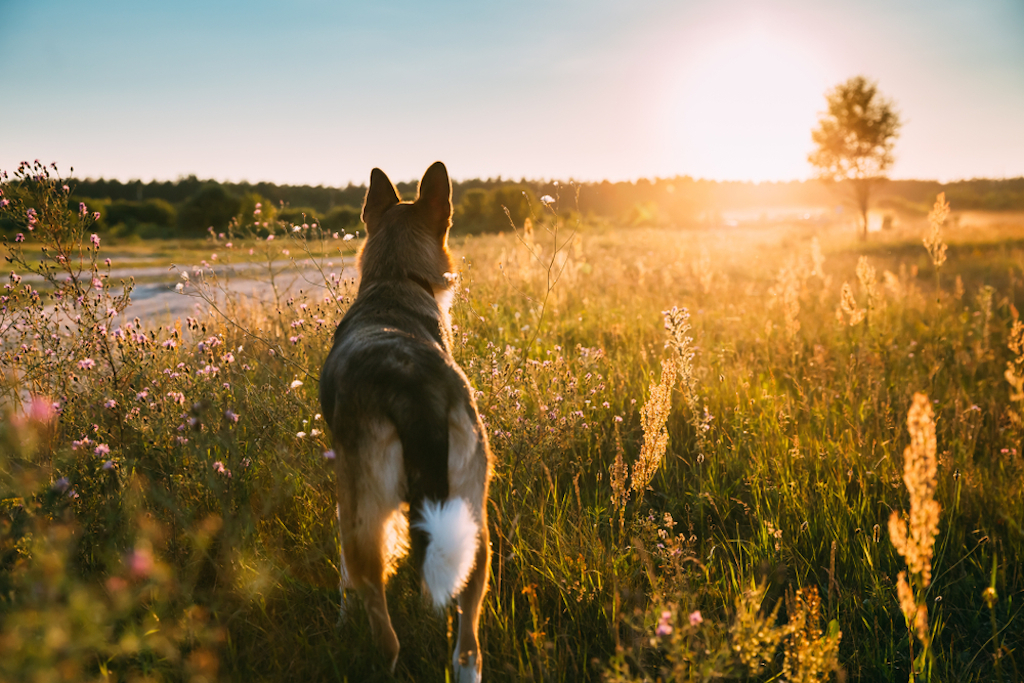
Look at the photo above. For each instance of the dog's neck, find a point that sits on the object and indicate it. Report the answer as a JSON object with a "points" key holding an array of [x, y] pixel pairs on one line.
{"points": [[441, 294]]}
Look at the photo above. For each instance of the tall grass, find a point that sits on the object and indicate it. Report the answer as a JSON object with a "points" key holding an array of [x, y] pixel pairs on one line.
{"points": [[700, 502]]}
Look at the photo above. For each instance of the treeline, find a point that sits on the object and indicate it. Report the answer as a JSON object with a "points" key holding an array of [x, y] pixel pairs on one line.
{"points": [[190, 206]]}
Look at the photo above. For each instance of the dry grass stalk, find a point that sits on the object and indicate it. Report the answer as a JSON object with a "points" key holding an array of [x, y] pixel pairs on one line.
{"points": [[653, 417], [619, 475], [848, 306], [1014, 373], [933, 240], [754, 636], [786, 292], [916, 542], [914, 614], [810, 654], [869, 283]]}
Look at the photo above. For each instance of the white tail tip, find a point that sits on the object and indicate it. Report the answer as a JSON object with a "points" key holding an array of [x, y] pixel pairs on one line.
{"points": [[451, 550]]}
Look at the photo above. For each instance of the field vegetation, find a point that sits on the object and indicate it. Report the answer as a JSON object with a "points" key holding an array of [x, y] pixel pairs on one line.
{"points": [[759, 453]]}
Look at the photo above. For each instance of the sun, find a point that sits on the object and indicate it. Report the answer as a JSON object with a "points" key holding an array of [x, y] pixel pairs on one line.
{"points": [[741, 107]]}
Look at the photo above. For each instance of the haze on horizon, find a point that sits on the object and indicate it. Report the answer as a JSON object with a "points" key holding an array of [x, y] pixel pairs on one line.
{"points": [[319, 92]]}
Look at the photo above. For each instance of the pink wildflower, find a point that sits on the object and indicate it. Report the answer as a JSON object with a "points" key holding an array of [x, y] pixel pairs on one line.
{"points": [[664, 628], [86, 364], [110, 404], [102, 449], [696, 618], [95, 239], [20, 237]]}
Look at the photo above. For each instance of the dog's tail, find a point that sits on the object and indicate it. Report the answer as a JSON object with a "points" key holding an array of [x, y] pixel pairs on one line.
{"points": [[443, 530], [451, 549]]}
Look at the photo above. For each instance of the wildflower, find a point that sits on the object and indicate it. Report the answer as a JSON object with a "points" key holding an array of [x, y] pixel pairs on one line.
{"points": [[140, 562], [346, 238], [315, 432], [95, 239], [300, 435], [696, 618], [230, 415], [228, 357], [20, 237], [82, 209], [61, 485], [270, 238], [296, 383], [111, 312], [664, 628], [170, 343], [219, 468], [110, 404], [86, 364], [102, 449], [108, 465], [179, 287], [548, 199], [141, 396], [329, 454]]}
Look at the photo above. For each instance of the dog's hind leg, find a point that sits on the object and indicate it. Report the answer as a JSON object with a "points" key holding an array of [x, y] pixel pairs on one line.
{"points": [[371, 525], [343, 570], [466, 661], [468, 471]]}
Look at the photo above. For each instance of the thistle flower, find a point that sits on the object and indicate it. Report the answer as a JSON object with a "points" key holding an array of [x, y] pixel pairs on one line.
{"points": [[95, 239]]}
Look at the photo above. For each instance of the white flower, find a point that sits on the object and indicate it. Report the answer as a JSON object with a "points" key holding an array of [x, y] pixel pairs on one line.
{"points": [[314, 432], [296, 384], [548, 199], [179, 287], [348, 237], [300, 435], [184, 275]]}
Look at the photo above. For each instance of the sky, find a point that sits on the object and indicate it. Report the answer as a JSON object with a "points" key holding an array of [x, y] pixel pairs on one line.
{"points": [[321, 91]]}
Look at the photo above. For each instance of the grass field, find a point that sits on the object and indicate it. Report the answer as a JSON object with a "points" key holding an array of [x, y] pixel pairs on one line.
{"points": [[697, 494]]}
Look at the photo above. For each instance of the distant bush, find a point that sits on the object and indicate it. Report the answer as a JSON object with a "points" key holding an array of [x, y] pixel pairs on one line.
{"points": [[210, 207], [341, 218], [484, 210]]}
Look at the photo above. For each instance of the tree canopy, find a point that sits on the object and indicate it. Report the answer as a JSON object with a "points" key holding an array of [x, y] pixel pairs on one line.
{"points": [[855, 138]]}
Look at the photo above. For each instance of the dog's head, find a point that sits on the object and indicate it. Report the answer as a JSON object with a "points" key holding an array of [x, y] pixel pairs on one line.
{"points": [[408, 239]]}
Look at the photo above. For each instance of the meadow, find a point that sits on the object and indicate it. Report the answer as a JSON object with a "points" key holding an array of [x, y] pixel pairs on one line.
{"points": [[701, 439]]}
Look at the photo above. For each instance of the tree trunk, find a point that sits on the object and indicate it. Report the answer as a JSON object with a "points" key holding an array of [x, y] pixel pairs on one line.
{"points": [[862, 190]]}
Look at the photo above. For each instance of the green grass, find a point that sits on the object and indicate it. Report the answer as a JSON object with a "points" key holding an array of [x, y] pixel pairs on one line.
{"points": [[806, 437]]}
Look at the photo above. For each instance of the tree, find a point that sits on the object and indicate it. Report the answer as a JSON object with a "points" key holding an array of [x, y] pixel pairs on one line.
{"points": [[855, 138]]}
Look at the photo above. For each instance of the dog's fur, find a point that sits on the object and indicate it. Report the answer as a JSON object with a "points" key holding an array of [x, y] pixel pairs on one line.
{"points": [[404, 422]]}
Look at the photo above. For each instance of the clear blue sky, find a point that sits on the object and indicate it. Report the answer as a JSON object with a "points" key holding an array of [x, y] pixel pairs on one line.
{"points": [[320, 91]]}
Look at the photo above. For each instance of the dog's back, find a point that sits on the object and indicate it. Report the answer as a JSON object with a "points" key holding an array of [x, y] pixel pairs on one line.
{"points": [[404, 422]]}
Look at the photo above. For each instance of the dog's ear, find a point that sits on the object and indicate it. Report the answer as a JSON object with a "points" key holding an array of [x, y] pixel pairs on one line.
{"points": [[379, 198], [435, 196]]}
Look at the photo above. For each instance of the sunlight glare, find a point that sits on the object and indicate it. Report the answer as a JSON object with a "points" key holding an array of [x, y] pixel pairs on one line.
{"points": [[743, 107]]}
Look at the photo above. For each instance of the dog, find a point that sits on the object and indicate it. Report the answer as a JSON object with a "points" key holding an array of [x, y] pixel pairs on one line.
{"points": [[411, 454]]}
